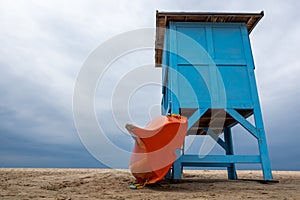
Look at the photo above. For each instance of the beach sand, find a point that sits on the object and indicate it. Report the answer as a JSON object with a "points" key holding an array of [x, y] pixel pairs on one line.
{"points": [[114, 184]]}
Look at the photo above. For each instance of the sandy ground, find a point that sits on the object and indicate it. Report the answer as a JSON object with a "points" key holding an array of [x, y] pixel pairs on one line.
{"points": [[114, 184]]}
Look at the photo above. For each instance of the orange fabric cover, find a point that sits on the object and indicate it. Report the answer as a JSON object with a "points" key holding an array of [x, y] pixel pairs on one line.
{"points": [[154, 149]]}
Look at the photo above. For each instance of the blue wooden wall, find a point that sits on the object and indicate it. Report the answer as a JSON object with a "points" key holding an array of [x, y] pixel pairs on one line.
{"points": [[211, 57]]}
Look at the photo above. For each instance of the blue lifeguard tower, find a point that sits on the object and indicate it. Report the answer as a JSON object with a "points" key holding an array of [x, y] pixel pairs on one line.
{"points": [[208, 76]]}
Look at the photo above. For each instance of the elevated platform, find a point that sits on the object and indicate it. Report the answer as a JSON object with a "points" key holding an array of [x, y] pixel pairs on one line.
{"points": [[217, 117]]}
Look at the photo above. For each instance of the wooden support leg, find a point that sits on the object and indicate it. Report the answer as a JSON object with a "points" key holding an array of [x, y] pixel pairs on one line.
{"points": [[229, 151], [169, 174], [177, 166], [262, 145]]}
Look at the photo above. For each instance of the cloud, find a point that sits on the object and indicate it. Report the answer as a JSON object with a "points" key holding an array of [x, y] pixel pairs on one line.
{"points": [[44, 44]]}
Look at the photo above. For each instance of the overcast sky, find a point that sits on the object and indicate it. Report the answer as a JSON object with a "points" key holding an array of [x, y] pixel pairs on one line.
{"points": [[43, 45]]}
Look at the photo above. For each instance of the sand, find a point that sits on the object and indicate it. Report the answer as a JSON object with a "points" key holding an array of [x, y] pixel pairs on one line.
{"points": [[114, 184]]}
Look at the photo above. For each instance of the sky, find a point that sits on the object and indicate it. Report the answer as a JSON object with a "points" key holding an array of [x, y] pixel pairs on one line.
{"points": [[45, 44]]}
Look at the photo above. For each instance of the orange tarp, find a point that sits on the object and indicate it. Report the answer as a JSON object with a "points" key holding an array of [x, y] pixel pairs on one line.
{"points": [[155, 145]]}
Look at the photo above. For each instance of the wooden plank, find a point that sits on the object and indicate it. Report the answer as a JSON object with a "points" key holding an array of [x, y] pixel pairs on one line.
{"points": [[247, 125], [163, 19], [197, 159]]}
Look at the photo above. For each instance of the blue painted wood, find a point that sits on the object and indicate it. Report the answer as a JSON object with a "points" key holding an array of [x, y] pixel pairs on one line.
{"points": [[210, 66], [198, 70], [165, 64], [169, 174], [177, 165], [215, 136], [222, 143], [229, 151], [247, 125], [189, 159], [265, 161], [201, 164], [173, 82], [262, 143]]}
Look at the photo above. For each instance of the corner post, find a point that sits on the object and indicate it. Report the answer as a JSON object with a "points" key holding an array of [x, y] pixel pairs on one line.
{"points": [[229, 151]]}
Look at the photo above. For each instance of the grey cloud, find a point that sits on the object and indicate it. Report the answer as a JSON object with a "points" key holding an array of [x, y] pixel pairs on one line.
{"points": [[44, 44]]}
